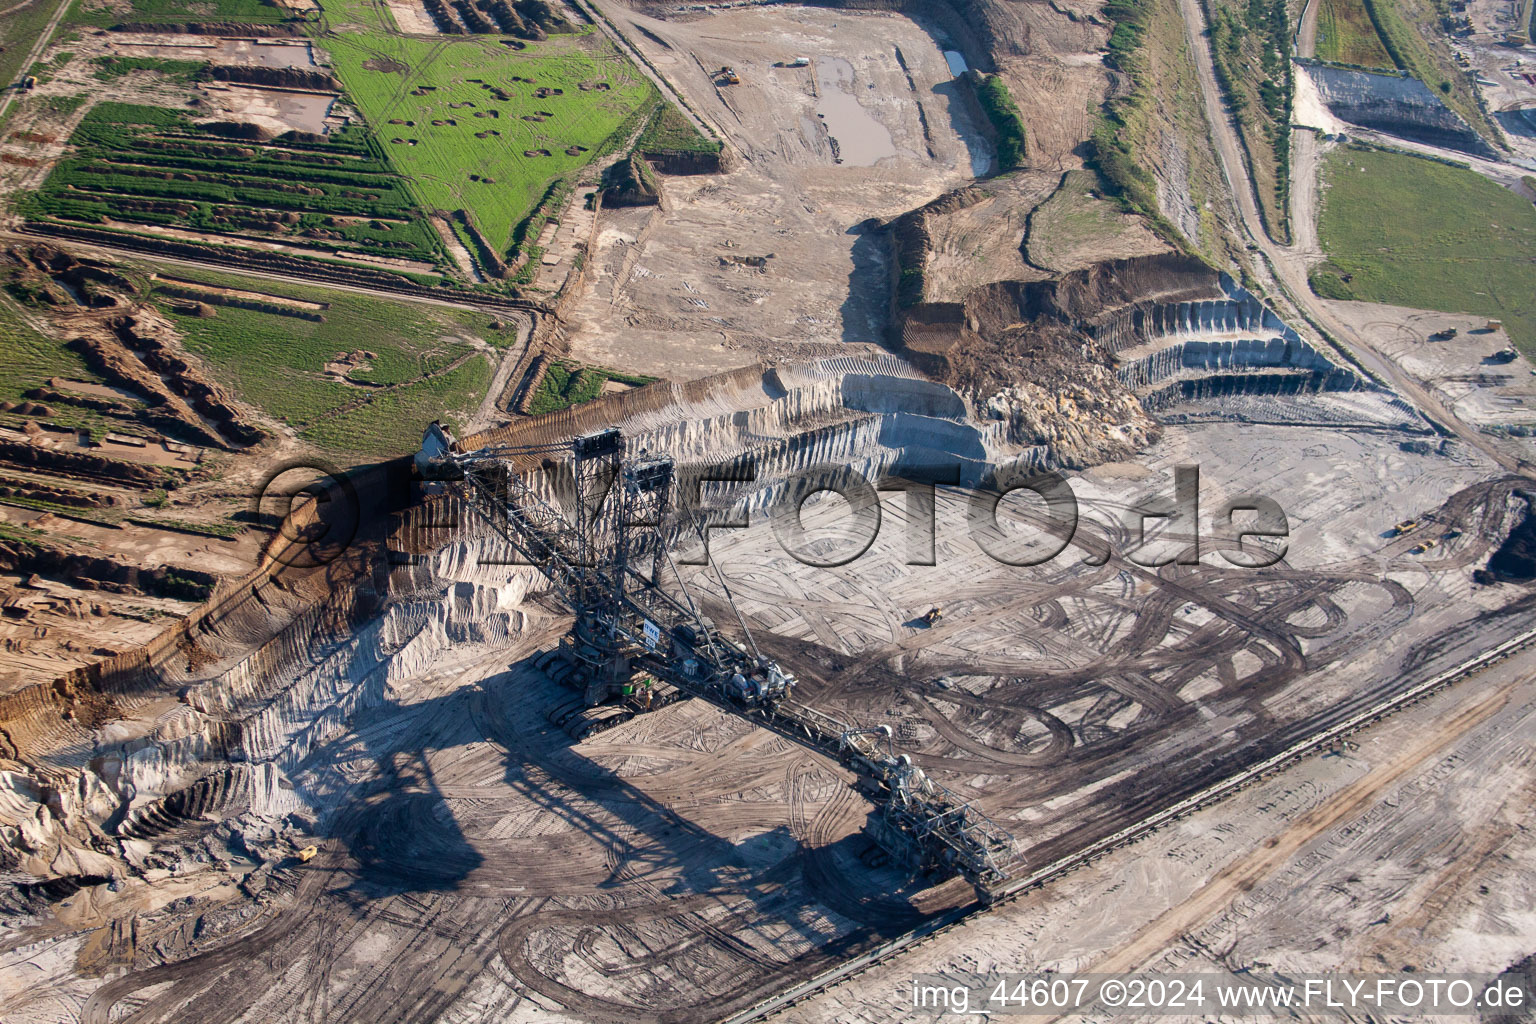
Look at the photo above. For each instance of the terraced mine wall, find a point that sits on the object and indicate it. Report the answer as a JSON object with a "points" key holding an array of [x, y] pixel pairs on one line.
{"points": [[1095, 294], [259, 648], [217, 298], [1176, 359], [630, 406], [1111, 301], [1211, 356], [277, 664], [1396, 105], [1229, 384], [1064, 367], [1235, 312]]}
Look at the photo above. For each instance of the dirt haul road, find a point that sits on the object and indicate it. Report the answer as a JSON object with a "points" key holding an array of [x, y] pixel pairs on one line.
{"points": [[1290, 265]]}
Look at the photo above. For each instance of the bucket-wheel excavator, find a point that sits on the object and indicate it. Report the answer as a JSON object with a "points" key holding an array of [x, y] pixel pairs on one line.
{"points": [[597, 527]]}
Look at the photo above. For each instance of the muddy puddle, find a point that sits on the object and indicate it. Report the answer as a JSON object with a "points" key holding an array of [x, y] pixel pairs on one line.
{"points": [[858, 138], [296, 111]]}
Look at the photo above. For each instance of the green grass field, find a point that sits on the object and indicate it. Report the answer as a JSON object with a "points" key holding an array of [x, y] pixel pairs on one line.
{"points": [[102, 14], [28, 359], [1345, 35], [1075, 225], [393, 422], [1412, 232], [277, 363], [567, 384], [482, 163]]}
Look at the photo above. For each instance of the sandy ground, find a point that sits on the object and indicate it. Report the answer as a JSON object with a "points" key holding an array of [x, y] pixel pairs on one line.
{"points": [[51, 627], [1405, 851], [274, 53], [478, 865], [412, 18], [1480, 391], [665, 297], [1126, 656]]}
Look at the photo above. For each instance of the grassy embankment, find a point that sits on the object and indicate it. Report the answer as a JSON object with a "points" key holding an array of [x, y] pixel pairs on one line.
{"points": [[1346, 35], [106, 13], [1417, 233], [1158, 124], [669, 131], [1075, 226], [998, 105], [28, 359]]}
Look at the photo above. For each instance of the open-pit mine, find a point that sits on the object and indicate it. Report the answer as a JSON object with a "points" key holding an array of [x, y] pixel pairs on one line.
{"points": [[814, 520]]}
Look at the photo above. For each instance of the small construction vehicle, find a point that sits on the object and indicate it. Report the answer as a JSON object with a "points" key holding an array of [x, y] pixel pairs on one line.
{"points": [[729, 76], [933, 615], [1445, 335]]}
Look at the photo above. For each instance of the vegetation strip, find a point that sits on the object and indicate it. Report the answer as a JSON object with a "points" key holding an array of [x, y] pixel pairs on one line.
{"points": [[998, 105]]}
